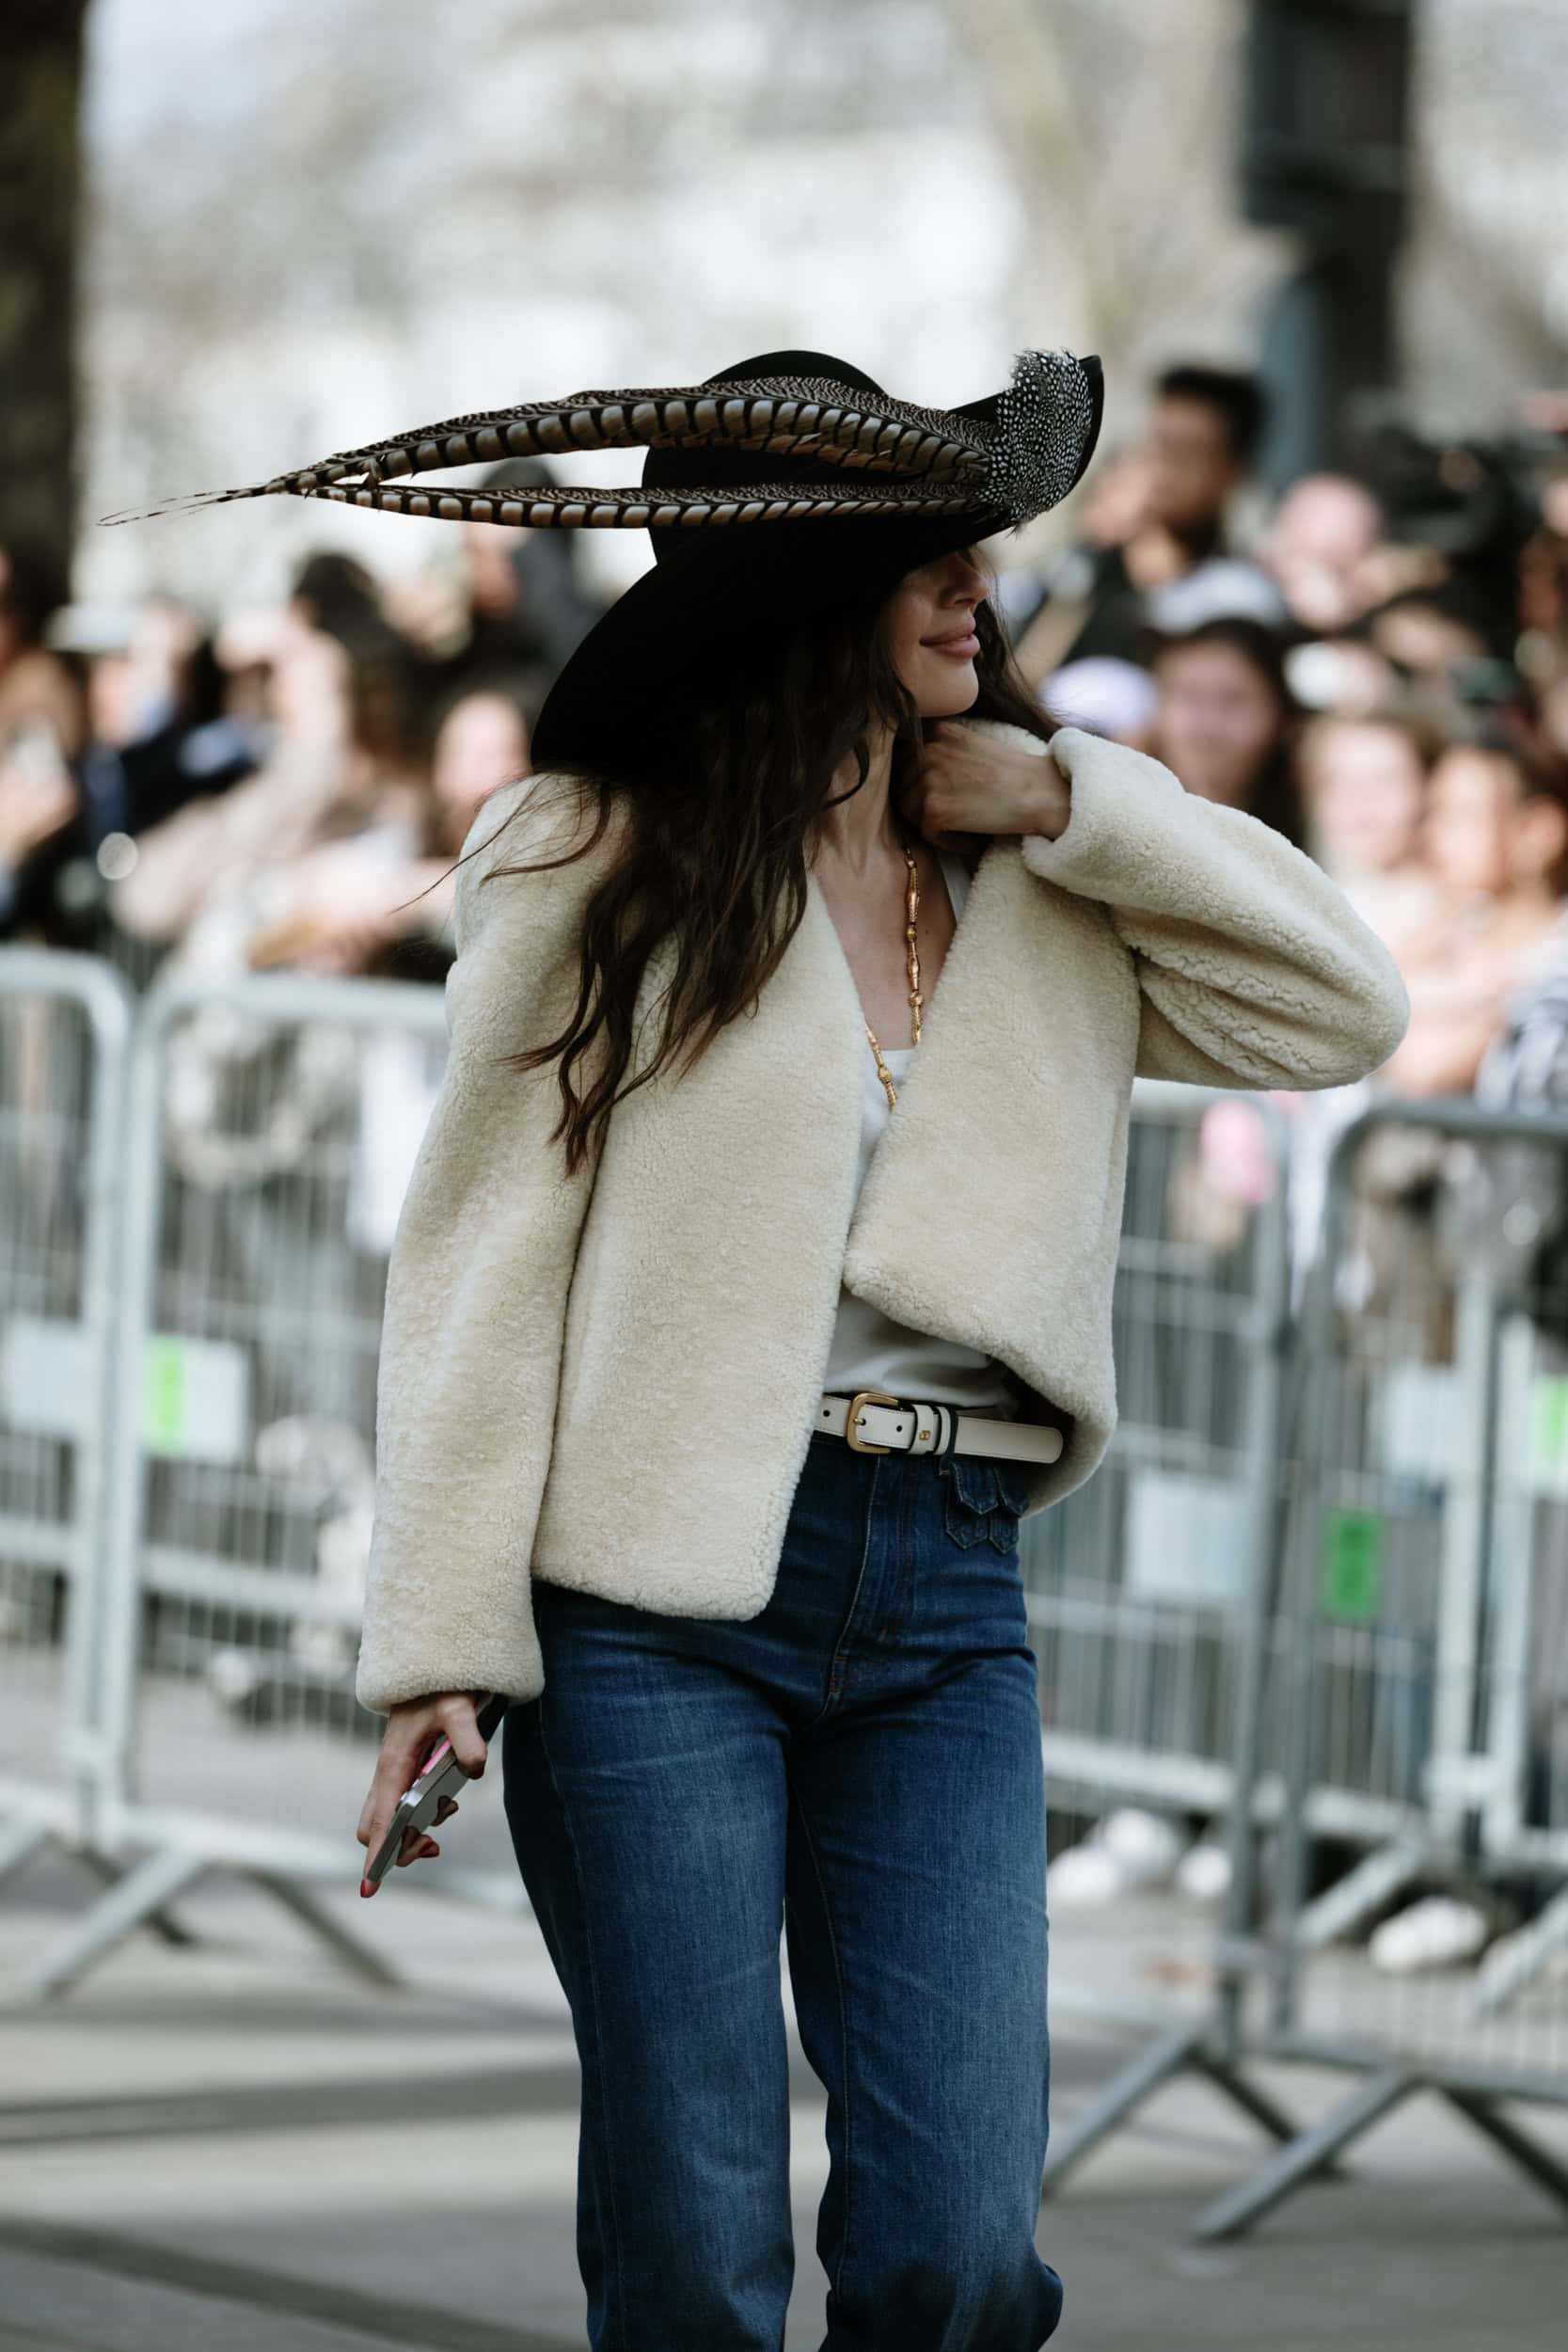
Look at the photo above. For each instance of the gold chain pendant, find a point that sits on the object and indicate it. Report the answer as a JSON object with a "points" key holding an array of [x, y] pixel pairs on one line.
{"points": [[911, 958]]}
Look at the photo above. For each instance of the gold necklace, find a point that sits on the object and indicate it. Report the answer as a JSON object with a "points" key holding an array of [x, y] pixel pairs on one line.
{"points": [[911, 908]]}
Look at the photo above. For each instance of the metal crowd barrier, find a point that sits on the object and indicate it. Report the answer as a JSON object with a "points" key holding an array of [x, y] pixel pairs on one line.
{"points": [[1427, 1581], [1317, 1593], [65, 1024], [1152, 1599], [1396, 1704], [1139, 1582], [272, 1121]]}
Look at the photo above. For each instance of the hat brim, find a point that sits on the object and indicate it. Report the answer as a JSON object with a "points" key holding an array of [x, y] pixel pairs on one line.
{"points": [[677, 629]]}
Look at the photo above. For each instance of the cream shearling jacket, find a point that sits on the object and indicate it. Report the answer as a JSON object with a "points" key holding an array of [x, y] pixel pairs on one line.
{"points": [[613, 1379]]}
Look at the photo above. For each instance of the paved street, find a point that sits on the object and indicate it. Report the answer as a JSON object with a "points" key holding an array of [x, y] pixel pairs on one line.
{"points": [[215, 2144]]}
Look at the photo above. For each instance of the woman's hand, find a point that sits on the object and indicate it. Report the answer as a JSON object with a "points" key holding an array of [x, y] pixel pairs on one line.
{"points": [[412, 1730], [969, 783]]}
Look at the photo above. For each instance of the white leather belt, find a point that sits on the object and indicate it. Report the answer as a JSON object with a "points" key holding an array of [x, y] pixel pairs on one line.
{"points": [[872, 1421]]}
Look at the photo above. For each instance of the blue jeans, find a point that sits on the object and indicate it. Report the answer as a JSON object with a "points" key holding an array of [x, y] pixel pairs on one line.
{"points": [[861, 1765]]}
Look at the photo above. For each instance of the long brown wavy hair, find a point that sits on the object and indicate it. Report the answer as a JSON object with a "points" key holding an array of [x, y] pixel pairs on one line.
{"points": [[722, 807]]}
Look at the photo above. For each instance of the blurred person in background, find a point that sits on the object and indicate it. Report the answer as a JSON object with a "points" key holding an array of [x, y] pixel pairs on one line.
{"points": [[42, 729], [492, 606], [1431, 636], [1225, 720], [220, 881], [160, 731], [1344, 674], [1169, 566], [394, 920], [1363, 777], [1317, 549], [1112, 508], [1554, 716], [1495, 842], [389, 682], [36, 686], [1544, 580]]}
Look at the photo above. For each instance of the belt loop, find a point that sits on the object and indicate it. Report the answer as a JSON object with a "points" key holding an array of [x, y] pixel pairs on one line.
{"points": [[949, 1432]]}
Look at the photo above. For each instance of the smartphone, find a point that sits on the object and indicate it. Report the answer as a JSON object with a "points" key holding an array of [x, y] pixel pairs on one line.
{"points": [[440, 1776]]}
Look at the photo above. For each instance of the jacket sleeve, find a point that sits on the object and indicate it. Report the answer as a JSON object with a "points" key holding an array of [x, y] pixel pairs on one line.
{"points": [[1254, 970], [477, 1284]]}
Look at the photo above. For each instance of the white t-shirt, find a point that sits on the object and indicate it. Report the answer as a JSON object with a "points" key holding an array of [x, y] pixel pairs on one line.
{"points": [[869, 1349]]}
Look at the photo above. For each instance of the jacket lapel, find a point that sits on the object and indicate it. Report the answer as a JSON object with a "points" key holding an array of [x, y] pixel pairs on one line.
{"points": [[949, 1071], [1010, 1124]]}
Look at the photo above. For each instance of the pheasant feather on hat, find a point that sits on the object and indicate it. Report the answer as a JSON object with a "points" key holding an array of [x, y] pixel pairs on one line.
{"points": [[1005, 459], [849, 489]]}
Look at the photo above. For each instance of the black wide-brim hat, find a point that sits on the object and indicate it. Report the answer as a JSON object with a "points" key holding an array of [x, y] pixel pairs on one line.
{"points": [[782, 490]]}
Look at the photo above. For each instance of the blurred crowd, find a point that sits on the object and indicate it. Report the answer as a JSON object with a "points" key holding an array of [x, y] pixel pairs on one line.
{"points": [[1375, 663], [287, 788]]}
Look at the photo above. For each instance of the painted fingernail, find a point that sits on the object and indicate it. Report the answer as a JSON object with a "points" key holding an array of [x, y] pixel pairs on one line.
{"points": [[365, 1887]]}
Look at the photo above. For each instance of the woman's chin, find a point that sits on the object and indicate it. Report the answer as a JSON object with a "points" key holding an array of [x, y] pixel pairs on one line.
{"points": [[944, 698]]}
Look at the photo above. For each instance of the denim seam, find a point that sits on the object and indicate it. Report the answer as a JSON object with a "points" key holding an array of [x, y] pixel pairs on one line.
{"points": [[592, 1974], [832, 1692], [843, 2046]]}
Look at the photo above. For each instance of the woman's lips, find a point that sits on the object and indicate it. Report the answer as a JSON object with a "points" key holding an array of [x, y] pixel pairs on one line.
{"points": [[961, 644]]}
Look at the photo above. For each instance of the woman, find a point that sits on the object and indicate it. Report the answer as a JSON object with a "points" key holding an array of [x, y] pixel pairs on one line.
{"points": [[707, 1416], [1495, 841], [1226, 719], [1364, 787], [233, 879], [389, 916]]}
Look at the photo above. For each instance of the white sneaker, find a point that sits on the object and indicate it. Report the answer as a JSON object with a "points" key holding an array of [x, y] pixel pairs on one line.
{"points": [[1084, 1876], [1436, 1933], [1129, 1849], [1204, 1872], [232, 1675], [1145, 1844]]}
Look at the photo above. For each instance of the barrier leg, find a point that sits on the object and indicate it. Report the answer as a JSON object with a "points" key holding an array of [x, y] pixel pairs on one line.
{"points": [[1248, 2097], [1528, 1952], [103, 1866], [128, 1905], [19, 1842], [305, 1904], [1237, 2209], [138, 1898], [1527, 2154], [1173, 2053], [1121, 2097], [1357, 1894]]}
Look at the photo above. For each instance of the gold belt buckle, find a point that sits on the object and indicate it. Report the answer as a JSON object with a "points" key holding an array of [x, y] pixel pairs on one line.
{"points": [[864, 1396]]}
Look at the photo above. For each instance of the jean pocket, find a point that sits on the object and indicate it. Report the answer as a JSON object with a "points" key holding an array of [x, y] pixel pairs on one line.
{"points": [[983, 1499]]}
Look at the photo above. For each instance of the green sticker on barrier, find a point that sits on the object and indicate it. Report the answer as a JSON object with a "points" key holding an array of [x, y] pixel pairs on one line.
{"points": [[165, 1391], [1351, 1563], [1548, 1434], [195, 1398]]}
